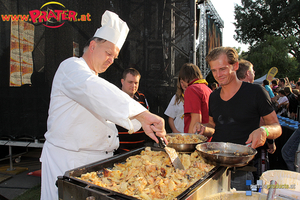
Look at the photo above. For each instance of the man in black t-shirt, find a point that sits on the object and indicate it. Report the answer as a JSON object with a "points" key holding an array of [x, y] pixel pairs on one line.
{"points": [[293, 102], [130, 85], [235, 109]]}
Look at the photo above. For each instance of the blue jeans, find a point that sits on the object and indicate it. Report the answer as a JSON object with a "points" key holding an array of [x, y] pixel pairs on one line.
{"points": [[289, 149]]}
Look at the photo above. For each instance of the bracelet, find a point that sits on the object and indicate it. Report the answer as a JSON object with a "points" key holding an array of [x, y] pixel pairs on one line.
{"points": [[267, 132]]}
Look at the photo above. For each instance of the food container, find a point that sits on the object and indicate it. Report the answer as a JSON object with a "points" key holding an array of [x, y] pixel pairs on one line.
{"points": [[288, 182], [71, 188], [226, 153], [191, 147]]}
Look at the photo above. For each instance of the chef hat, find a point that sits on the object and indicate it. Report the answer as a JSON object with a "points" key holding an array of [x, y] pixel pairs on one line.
{"points": [[113, 29]]}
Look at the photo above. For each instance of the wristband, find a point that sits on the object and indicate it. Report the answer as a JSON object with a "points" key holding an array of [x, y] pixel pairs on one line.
{"points": [[267, 132]]}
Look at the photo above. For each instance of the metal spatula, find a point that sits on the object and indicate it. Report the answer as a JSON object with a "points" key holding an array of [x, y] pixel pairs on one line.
{"points": [[172, 154]]}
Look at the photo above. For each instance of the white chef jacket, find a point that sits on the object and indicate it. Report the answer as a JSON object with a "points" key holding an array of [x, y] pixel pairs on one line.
{"points": [[176, 111], [80, 126], [83, 106]]}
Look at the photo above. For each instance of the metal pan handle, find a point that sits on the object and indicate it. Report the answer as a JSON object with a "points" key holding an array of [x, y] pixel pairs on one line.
{"points": [[248, 145], [161, 143]]}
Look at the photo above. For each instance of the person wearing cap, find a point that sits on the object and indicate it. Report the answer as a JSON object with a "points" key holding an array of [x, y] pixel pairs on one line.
{"points": [[84, 109]]}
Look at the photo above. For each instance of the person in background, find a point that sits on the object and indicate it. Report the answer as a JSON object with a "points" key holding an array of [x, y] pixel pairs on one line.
{"points": [[282, 83], [282, 104], [274, 83], [245, 72], [235, 110], [175, 110], [292, 84], [293, 102], [289, 149], [130, 85], [84, 109], [195, 97], [214, 86], [266, 85], [297, 93], [297, 86]]}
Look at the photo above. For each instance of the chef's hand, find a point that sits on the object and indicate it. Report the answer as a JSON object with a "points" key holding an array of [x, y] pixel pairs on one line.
{"points": [[257, 137], [152, 124], [271, 148]]}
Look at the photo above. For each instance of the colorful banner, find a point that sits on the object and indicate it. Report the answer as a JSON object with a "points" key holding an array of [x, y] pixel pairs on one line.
{"points": [[21, 47], [271, 74], [214, 34]]}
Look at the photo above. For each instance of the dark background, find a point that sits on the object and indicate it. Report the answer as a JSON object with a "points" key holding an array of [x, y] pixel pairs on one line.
{"points": [[24, 110]]}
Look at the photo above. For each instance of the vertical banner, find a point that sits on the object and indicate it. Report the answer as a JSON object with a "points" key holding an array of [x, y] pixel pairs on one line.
{"points": [[21, 47], [214, 34]]}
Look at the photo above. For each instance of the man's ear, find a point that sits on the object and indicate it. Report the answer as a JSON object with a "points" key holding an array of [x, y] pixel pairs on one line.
{"points": [[122, 81], [235, 66], [92, 45], [248, 73]]}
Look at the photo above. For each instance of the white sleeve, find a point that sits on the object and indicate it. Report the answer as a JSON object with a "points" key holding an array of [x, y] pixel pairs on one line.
{"points": [[171, 109], [97, 95]]}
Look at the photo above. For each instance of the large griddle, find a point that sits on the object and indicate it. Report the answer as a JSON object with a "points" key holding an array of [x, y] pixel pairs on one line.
{"points": [[70, 187]]}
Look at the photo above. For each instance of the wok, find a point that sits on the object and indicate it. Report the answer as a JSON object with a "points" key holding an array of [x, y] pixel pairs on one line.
{"points": [[226, 154], [191, 147]]}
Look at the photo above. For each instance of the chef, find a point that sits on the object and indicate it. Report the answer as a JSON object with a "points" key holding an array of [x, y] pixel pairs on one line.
{"points": [[84, 108]]}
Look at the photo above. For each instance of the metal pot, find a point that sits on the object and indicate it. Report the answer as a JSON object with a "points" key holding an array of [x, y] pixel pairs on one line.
{"points": [[226, 154], [191, 147]]}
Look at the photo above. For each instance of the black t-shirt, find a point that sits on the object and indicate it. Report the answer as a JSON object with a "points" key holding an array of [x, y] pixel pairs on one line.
{"points": [[293, 102], [236, 118]]}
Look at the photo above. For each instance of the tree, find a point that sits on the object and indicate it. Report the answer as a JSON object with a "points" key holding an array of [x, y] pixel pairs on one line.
{"points": [[272, 51], [256, 19]]}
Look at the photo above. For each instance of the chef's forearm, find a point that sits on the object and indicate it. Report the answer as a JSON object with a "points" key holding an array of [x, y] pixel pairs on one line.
{"points": [[141, 117]]}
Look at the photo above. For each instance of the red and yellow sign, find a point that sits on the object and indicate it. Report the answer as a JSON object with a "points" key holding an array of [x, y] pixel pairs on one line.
{"points": [[271, 74]]}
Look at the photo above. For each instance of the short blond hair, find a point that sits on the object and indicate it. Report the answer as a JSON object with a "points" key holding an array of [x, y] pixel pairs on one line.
{"points": [[231, 53]]}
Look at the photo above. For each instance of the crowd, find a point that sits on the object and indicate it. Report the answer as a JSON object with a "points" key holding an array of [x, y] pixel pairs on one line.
{"points": [[286, 97], [85, 109]]}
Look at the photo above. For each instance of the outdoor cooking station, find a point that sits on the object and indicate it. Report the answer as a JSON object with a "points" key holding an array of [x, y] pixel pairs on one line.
{"points": [[69, 188]]}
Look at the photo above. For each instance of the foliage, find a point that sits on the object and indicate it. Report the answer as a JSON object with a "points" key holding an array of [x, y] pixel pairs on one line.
{"points": [[255, 19], [273, 52]]}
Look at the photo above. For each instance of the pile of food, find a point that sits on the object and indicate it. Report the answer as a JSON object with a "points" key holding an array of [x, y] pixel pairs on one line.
{"points": [[150, 175], [184, 139]]}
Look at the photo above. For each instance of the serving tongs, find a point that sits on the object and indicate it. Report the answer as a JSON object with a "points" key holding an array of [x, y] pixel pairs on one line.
{"points": [[172, 154]]}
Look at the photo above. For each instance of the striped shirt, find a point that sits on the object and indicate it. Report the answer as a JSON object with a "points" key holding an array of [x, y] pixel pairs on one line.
{"points": [[136, 139]]}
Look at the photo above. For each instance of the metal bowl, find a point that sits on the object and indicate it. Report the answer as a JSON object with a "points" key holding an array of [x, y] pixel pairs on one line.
{"points": [[230, 155], [191, 147]]}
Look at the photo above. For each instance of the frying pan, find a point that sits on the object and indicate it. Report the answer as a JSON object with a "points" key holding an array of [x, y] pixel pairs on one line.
{"points": [[226, 154], [191, 147]]}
